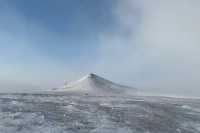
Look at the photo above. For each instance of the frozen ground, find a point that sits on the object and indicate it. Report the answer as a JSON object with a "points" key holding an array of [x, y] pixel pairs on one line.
{"points": [[45, 113]]}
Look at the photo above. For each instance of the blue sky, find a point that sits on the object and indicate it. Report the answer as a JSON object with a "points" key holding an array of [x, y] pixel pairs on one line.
{"points": [[38, 34], [152, 45], [71, 22]]}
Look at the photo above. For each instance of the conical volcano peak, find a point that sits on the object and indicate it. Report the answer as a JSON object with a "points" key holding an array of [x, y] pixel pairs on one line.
{"points": [[96, 84], [87, 77], [95, 78], [91, 75]]}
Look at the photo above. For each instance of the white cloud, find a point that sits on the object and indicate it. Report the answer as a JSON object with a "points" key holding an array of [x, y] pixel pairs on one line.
{"points": [[156, 45]]}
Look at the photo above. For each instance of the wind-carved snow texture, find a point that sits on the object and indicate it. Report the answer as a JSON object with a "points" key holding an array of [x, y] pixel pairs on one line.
{"points": [[53, 113], [97, 86]]}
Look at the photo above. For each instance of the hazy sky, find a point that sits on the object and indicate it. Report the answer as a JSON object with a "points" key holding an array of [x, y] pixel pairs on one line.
{"points": [[150, 44]]}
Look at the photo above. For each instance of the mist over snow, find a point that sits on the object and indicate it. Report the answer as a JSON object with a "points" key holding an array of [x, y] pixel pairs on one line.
{"points": [[151, 45], [155, 46]]}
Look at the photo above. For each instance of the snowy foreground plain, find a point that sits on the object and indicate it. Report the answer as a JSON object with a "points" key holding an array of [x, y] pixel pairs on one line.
{"points": [[56, 113]]}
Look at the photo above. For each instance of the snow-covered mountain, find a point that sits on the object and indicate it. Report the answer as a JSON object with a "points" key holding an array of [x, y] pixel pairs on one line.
{"points": [[97, 85]]}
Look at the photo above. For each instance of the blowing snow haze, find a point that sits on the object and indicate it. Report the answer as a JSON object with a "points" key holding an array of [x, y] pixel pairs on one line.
{"points": [[151, 45]]}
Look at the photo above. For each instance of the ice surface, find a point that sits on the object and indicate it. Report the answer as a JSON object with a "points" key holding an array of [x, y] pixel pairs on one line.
{"points": [[53, 113]]}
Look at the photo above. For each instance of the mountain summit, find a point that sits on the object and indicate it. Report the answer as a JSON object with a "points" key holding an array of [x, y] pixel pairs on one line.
{"points": [[95, 84]]}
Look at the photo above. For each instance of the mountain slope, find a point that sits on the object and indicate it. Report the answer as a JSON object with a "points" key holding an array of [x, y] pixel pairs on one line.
{"points": [[97, 85]]}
